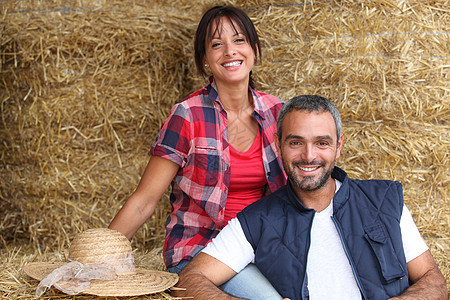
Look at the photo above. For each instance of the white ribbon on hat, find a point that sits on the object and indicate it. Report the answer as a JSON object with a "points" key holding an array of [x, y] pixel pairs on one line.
{"points": [[77, 276]]}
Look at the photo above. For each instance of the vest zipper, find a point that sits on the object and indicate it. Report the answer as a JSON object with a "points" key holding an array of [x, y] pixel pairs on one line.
{"points": [[338, 228]]}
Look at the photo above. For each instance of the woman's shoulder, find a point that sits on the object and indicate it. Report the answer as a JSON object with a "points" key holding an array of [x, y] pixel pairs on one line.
{"points": [[268, 104], [195, 99], [194, 106], [268, 98]]}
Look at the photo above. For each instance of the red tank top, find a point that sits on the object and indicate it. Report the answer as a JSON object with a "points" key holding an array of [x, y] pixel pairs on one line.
{"points": [[247, 178]]}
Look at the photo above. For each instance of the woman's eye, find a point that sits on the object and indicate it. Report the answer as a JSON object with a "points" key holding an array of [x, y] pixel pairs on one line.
{"points": [[214, 45]]}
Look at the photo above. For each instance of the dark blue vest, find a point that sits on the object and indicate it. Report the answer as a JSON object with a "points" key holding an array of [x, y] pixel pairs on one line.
{"points": [[367, 217]]}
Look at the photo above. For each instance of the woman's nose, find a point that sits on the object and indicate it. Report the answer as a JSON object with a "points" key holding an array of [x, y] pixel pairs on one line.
{"points": [[230, 49]]}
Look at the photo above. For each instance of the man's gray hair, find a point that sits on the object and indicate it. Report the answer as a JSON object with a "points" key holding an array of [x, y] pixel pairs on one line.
{"points": [[310, 103]]}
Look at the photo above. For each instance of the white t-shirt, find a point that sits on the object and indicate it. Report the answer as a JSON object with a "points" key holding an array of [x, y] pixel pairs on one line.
{"points": [[329, 272]]}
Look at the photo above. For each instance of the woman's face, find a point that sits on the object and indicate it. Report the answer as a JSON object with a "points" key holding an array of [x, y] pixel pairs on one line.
{"points": [[229, 55]]}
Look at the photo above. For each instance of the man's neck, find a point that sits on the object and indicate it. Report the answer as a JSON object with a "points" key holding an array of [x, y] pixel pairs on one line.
{"points": [[318, 199]]}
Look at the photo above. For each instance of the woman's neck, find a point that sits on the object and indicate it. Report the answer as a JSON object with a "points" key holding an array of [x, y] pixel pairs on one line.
{"points": [[234, 98]]}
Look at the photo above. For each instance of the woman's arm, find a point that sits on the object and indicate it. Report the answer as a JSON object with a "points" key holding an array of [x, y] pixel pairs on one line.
{"points": [[142, 203]]}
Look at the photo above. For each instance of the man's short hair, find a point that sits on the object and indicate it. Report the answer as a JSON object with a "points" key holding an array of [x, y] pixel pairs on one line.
{"points": [[310, 103]]}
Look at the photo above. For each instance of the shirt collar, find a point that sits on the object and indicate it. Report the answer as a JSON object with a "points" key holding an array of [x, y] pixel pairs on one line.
{"points": [[294, 199], [342, 194]]}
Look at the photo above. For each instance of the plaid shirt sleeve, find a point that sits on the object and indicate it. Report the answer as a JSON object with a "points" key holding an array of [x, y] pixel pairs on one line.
{"points": [[172, 142]]}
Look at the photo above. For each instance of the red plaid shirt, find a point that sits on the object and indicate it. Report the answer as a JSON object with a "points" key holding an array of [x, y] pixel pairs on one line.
{"points": [[195, 136]]}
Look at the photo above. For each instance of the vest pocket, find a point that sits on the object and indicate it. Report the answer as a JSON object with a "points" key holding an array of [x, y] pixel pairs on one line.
{"points": [[381, 245]]}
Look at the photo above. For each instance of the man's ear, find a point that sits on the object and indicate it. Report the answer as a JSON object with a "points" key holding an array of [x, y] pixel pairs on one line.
{"points": [[277, 143], [339, 147]]}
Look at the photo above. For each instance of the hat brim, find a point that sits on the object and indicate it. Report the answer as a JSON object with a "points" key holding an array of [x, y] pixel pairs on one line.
{"points": [[141, 282]]}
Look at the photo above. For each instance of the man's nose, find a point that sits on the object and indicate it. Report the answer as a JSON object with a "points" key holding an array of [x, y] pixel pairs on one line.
{"points": [[308, 153]]}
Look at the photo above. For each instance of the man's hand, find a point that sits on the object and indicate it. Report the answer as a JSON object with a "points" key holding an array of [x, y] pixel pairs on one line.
{"points": [[201, 278]]}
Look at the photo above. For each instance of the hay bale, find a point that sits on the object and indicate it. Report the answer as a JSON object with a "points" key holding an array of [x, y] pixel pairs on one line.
{"points": [[85, 91], [85, 87], [86, 84]]}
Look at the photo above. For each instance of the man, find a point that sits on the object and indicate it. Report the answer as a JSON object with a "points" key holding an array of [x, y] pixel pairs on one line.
{"points": [[323, 235]]}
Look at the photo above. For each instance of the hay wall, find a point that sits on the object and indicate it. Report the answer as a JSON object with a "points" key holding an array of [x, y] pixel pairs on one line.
{"points": [[86, 84], [85, 91]]}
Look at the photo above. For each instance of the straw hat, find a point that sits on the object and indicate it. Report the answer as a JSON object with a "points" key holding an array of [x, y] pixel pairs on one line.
{"points": [[100, 263]]}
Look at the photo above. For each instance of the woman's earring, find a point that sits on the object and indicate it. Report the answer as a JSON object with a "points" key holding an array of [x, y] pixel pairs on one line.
{"points": [[206, 65]]}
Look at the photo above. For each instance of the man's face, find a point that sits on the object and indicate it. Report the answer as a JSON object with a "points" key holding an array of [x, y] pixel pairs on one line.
{"points": [[309, 148]]}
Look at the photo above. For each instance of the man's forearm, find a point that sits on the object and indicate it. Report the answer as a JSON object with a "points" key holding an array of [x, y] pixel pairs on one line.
{"points": [[199, 287], [431, 286]]}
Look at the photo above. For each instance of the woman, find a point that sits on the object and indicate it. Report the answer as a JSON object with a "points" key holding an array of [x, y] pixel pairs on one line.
{"points": [[216, 147]]}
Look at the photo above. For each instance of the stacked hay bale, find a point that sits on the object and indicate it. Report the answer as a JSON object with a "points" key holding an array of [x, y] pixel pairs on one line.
{"points": [[86, 84], [84, 87], [84, 91]]}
